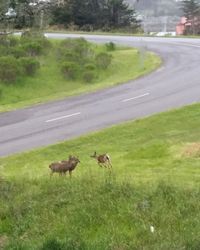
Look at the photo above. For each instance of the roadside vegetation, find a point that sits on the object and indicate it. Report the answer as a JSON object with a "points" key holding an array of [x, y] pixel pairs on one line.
{"points": [[34, 69], [150, 200]]}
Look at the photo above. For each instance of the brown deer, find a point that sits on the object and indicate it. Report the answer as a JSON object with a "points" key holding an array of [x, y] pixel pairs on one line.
{"points": [[102, 160], [64, 166]]}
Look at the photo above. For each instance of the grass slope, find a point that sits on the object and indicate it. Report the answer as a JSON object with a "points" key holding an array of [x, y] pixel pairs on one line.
{"points": [[49, 84], [154, 183]]}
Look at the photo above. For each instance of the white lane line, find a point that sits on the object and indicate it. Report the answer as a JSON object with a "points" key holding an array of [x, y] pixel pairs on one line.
{"points": [[63, 117], [136, 97]]}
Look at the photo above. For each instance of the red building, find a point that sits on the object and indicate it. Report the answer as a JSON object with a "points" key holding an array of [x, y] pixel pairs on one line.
{"points": [[188, 27], [182, 26]]}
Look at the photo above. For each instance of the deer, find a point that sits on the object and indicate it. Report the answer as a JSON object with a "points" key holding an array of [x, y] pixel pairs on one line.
{"points": [[102, 160], [63, 166]]}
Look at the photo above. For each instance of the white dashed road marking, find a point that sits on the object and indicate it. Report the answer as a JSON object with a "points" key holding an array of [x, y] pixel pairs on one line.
{"points": [[63, 117], [136, 97]]}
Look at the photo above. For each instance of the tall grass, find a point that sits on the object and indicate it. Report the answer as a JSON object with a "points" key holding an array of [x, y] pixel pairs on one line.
{"points": [[93, 213], [150, 200]]}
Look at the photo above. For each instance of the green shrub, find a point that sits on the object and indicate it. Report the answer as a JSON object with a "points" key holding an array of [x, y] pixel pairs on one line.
{"points": [[69, 70], [17, 52], [88, 76], [9, 69], [13, 41], [3, 40], [70, 56], [110, 46], [29, 65], [4, 51], [79, 48], [29, 37], [90, 66], [8, 41], [103, 60], [32, 48], [70, 43]]}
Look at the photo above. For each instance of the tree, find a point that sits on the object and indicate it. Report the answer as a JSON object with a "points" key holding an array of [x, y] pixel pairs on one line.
{"points": [[32, 13], [96, 14], [191, 10], [7, 14], [120, 15]]}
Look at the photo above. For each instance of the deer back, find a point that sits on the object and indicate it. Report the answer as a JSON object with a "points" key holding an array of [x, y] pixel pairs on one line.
{"points": [[71, 163], [102, 158], [56, 166]]}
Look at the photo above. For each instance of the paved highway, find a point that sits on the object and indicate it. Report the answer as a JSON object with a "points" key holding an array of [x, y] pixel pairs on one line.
{"points": [[175, 84]]}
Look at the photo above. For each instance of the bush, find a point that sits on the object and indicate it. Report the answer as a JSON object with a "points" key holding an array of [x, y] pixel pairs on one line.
{"points": [[110, 46], [35, 37], [4, 51], [90, 66], [13, 41], [8, 40], [70, 56], [79, 48], [17, 52], [103, 60], [69, 70], [32, 48], [9, 69], [29, 66], [88, 76]]}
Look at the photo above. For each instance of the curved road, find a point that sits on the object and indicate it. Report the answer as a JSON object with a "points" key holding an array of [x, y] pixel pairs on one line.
{"points": [[175, 84]]}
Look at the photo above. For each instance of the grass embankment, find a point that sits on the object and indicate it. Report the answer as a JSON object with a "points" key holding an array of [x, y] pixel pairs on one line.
{"points": [[154, 183], [49, 83]]}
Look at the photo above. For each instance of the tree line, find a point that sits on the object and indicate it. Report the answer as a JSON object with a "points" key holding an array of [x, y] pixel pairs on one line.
{"points": [[81, 14], [87, 15]]}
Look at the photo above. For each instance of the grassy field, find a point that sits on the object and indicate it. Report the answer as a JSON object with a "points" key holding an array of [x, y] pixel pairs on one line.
{"points": [[49, 84], [150, 200]]}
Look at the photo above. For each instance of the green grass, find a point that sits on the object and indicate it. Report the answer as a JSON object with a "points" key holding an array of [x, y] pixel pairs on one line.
{"points": [[153, 183], [49, 84]]}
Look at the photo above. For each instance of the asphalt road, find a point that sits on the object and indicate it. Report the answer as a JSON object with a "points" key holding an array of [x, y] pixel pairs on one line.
{"points": [[175, 84]]}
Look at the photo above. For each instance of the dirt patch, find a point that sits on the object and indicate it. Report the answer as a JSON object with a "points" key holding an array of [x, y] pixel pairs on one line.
{"points": [[3, 241], [192, 150]]}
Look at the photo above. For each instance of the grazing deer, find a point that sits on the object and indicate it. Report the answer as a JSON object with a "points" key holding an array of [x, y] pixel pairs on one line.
{"points": [[102, 160], [64, 166]]}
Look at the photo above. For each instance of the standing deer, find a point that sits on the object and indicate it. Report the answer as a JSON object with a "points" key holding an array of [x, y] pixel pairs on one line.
{"points": [[64, 166], [102, 160]]}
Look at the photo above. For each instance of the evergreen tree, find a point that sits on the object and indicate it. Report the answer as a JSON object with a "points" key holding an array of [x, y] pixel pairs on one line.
{"points": [[96, 14], [191, 10]]}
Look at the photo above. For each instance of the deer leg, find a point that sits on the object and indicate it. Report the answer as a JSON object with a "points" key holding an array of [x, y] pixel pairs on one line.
{"points": [[70, 174], [105, 165], [99, 164]]}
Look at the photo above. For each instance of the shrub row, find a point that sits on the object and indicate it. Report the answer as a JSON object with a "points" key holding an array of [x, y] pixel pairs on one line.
{"points": [[17, 56], [12, 68], [80, 60]]}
